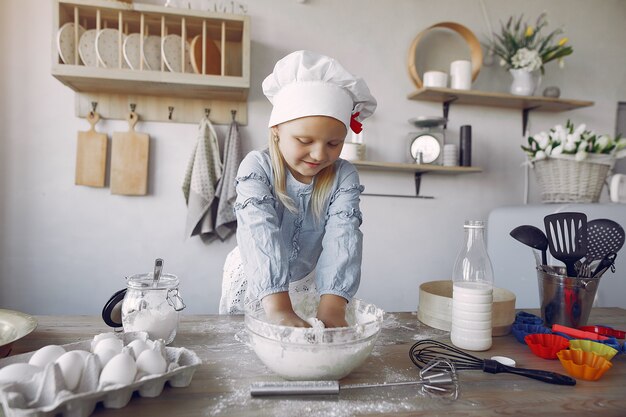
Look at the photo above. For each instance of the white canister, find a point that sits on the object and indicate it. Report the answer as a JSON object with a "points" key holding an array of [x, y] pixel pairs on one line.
{"points": [[353, 151], [436, 79], [461, 75]]}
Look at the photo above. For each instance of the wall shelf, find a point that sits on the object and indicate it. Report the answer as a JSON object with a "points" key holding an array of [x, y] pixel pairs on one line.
{"points": [[447, 96], [418, 170], [220, 90]]}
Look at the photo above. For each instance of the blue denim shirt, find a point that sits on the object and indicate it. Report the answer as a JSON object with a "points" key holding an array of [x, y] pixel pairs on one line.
{"points": [[278, 247]]}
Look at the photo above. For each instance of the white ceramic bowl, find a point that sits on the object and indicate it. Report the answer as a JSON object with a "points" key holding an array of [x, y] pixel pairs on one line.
{"points": [[310, 353]]}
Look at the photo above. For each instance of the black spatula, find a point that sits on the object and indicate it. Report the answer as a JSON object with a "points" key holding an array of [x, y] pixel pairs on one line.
{"points": [[603, 237], [567, 238]]}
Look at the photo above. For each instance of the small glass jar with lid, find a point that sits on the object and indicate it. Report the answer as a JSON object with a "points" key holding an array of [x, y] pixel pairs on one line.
{"points": [[152, 307]]}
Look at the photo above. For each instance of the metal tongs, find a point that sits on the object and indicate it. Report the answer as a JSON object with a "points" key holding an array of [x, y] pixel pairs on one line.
{"points": [[437, 379]]}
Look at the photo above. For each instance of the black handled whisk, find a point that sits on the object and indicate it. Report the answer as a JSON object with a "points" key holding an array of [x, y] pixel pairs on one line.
{"points": [[425, 351]]}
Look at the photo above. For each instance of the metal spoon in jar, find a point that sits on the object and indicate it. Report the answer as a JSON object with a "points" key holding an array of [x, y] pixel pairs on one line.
{"points": [[158, 267]]}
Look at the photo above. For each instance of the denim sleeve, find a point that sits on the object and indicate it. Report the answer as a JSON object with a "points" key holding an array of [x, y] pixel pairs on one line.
{"points": [[339, 266], [264, 257]]}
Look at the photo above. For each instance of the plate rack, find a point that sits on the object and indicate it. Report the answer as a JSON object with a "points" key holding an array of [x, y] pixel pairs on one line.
{"points": [[158, 94]]}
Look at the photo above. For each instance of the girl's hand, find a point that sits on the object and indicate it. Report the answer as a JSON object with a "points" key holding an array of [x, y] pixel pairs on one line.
{"points": [[332, 310], [279, 311]]}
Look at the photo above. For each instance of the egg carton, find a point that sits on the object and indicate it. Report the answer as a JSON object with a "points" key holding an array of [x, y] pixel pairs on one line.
{"points": [[46, 394]]}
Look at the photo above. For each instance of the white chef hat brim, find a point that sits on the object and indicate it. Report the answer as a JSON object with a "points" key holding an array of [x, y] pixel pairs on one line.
{"points": [[308, 84]]}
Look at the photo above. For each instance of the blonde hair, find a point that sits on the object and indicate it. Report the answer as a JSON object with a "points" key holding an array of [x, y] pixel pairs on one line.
{"points": [[321, 187]]}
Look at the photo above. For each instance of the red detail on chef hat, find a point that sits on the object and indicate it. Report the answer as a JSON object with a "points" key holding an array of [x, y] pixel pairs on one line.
{"points": [[355, 125]]}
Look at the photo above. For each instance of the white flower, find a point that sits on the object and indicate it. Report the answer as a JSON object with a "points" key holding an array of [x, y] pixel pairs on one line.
{"points": [[558, 150], [526, 59], [580, 156], [540, 155], [602, 142], [583, 145], [569, 147], [542, 139], [502, 62], [548, 150], [621, 143], [560, 134], [572, 138], [580, 130]]}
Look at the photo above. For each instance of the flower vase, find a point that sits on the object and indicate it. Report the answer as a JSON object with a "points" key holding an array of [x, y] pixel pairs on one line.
{"points": [[524, 82]]}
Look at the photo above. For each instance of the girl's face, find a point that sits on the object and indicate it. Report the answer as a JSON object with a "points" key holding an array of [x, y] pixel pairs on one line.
{"points": [[310, 144]]}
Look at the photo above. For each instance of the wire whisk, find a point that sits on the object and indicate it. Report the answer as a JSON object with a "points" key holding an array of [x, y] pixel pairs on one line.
{"points": [[425, 351]]}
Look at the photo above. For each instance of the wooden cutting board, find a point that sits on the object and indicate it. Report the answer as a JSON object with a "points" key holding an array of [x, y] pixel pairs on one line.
{"points": [[129, 160], [91, 155], [213, 58]]}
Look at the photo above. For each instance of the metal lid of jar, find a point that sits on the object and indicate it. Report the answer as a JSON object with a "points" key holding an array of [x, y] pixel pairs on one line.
{"points": [[146, 282]]}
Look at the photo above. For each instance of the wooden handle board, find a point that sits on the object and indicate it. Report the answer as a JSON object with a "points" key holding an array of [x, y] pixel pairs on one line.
{"points": [[129, 161], [91, 155]]}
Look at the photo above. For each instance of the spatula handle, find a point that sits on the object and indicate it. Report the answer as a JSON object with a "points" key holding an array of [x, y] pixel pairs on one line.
{"points": [[495, 367]]}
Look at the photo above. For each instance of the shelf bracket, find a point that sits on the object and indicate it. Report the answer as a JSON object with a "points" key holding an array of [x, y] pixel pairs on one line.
{"points": [[446, 109], [525, 113], [418, 183]]}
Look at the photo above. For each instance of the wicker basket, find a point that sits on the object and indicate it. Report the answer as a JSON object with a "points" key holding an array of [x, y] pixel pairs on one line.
{"points": [[565, 180]]}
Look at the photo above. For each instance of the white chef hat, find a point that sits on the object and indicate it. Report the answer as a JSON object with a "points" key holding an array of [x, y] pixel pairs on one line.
{"points": [[308, 84]]}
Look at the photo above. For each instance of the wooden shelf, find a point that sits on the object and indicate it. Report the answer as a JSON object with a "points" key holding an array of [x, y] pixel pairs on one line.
{"points": [[483, 98], [422, 169], [188, 93]]}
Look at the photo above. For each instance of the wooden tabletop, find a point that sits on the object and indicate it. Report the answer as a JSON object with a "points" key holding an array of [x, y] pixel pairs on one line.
{"points": [[220, 386]]}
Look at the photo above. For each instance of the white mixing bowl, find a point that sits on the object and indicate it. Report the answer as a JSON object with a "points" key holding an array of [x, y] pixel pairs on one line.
{"points": [[297, 353]]}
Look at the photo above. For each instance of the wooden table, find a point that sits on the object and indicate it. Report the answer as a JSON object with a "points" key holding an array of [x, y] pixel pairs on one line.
{"points": [[221, 385]]}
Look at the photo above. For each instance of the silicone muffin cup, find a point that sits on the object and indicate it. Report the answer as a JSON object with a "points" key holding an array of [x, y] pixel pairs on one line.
{"points": [[546, 345], [606, 351], [520, 330], [584, 365], [523, 317]]}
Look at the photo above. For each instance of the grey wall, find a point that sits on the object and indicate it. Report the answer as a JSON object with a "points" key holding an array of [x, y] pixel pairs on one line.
{"points": [[65, 249]]}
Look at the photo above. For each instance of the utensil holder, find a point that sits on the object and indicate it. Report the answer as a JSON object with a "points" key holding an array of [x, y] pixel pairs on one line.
{"points": [[565, 300]]}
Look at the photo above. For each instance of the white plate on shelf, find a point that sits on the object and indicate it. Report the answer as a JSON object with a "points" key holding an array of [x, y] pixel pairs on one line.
{"points": [[132, 51], [107, 48], [171, 50], [66, 44], [152, 52], [87, 48]]}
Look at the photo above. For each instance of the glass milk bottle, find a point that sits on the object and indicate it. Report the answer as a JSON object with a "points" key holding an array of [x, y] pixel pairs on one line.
{"points": [[472, 291]]}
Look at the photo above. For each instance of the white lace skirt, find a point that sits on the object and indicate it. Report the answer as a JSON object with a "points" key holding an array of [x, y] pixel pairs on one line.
{"points": [[235, 283]]}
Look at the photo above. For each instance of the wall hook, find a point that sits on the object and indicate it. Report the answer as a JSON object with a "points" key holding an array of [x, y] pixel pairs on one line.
{"points": [[133, 106], [171, 110], [207, 112], [233, 113], [94, 105]]}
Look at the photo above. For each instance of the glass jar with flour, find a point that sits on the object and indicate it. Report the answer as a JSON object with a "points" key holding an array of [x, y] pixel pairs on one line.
{"points": [[151, 306]]}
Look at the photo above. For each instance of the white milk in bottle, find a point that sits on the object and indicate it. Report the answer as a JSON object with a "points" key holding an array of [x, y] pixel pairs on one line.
{"points": [[472, 291]]}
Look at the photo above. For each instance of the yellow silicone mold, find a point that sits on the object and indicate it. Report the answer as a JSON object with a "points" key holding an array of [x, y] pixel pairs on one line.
{"points": [[584, 365], [600, 349]]}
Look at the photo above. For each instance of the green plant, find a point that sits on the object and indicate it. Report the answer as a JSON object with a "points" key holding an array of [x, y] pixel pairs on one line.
{"points": [[572, 140], [522, 46]]}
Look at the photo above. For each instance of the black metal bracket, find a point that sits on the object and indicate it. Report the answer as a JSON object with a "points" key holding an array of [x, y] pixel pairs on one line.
{"points": [[418, 183], [446, 109], [525, 113]]}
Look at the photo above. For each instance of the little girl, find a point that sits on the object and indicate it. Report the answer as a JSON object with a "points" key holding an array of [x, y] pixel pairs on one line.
{"points": [[297, 203]]}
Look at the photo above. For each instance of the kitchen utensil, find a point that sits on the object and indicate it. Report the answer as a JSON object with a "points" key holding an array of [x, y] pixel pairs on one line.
{"points": [[212, 56], [606, 351], [607, 262], [91, 155], [567, 237], [67, 42], [158, 267], [425, 351], [13, 326], [577, 333], [584, 365], [129, 160], [534, 237], [546, 346], [604, 331], [434, 382], [521, 330], [603, 236]]}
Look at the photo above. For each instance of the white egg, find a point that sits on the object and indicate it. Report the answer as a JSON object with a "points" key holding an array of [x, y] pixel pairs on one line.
{"points": [[121, 369], [83, 354], [103, 336], [46, 355], [71, 364], [18, 372], [138, 346], [104, 355], [151, 362], [114, 344]]}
